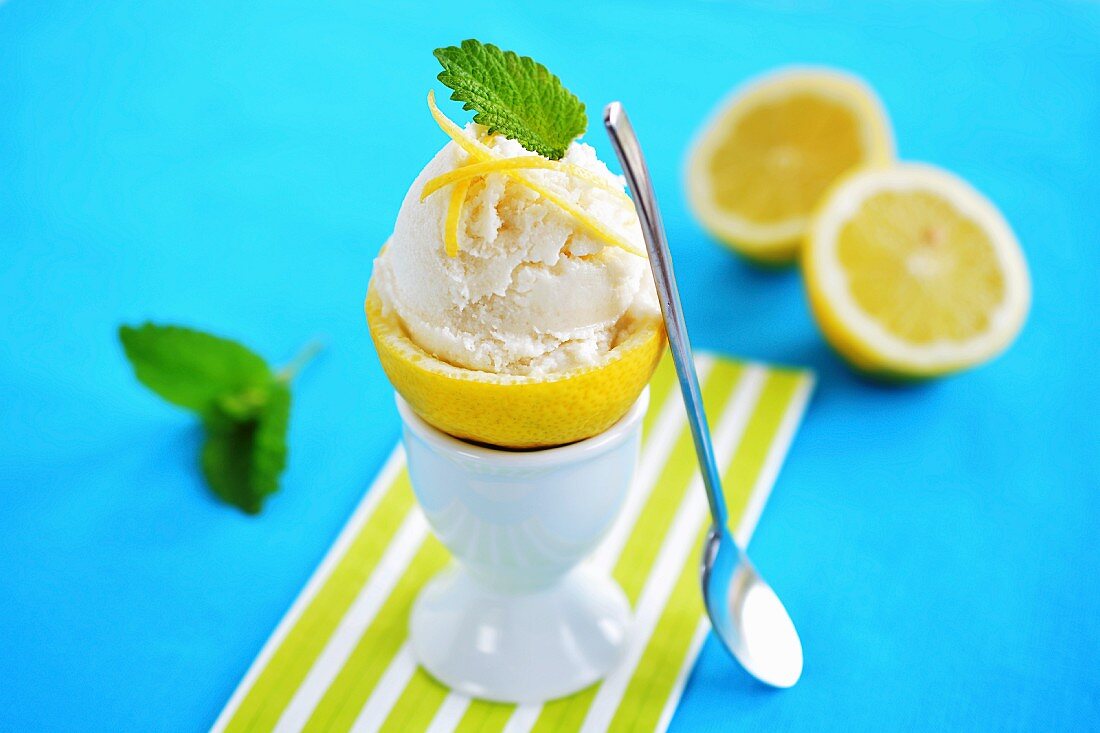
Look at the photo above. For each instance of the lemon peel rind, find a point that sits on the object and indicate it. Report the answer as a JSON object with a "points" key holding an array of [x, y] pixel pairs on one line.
{"points": [[454, 214], [515, 411], [778, 242], [480, 152], [500, 165], [861, 339]]}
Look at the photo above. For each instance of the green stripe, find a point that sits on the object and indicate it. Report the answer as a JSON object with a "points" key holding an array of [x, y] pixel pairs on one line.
{"points": [[485, 717], [377, 647], [417, 705], [650, 685], [659, 387], [271, 692], [652, 682], [640, 551], [741, 476]]}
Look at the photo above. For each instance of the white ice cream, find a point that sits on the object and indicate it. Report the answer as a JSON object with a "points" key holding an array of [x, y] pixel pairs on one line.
{"points": [[531, 291]]}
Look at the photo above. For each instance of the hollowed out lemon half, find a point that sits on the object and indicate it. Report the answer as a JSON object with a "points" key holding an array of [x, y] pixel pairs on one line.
{"points": [[514, 411]]}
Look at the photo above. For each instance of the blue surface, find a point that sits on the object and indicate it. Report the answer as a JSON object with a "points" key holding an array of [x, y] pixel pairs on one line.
{"points": [[236, 168]]}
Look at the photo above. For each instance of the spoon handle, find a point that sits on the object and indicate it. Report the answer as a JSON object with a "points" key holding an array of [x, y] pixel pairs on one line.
{"points": [[629, 152]]}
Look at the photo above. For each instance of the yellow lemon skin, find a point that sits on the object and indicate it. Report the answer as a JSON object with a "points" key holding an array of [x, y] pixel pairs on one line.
{"points": [[515, 411]]}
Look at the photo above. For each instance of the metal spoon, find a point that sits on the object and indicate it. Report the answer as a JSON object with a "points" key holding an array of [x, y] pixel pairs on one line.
{"points": [[745, 612]]}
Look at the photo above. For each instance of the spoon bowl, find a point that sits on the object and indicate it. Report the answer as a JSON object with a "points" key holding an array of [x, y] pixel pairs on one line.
{"points": [[747, 615]]}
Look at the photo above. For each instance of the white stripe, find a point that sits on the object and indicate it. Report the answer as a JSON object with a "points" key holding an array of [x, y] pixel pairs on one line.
{"points": [[777, 452], [673, 700], [654, 456], [736, 414], [378, 489], [386, 692], [450, 713], [523, 718], [673, 554], [340, 645]]}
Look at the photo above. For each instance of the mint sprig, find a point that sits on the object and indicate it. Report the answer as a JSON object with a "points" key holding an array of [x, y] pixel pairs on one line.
{"points": [[513, 95], [243, 404]]}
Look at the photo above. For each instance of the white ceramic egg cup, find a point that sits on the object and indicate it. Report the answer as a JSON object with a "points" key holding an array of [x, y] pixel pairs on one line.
{"points": [[515, 619]]}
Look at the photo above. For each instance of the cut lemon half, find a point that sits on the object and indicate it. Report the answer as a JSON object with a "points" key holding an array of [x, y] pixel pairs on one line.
{"points": [[761, 164], [911, 272], [515, 411]]}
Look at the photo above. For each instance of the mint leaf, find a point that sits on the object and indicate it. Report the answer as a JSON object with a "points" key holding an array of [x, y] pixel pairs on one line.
{"points": [[514, 95], [243, 404], [190, 368], [226, 461], [242, 459], [269, 447]]}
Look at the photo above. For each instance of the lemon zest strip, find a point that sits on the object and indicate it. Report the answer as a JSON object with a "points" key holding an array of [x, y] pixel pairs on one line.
{"points": [[500, 165], [473, 170], [454, 214], [584, 219], [479, 152]]}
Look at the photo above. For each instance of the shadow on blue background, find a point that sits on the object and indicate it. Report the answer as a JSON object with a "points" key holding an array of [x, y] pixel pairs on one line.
{"points": [[235, 167]]}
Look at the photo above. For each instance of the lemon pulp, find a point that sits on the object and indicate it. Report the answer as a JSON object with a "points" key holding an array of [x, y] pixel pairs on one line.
{"points": [[760, 168], [922, 270], [911, 272], [779, 159]]}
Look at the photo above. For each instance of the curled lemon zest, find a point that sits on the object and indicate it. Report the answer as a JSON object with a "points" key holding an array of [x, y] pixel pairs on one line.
{"points": [[473, 170], [480, 153], [474, 148], [500, 165], [585, 220], [454, 214]]}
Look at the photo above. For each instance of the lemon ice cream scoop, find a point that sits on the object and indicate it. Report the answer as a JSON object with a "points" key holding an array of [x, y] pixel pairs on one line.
{"points": [[513, 304], [530, 290]]}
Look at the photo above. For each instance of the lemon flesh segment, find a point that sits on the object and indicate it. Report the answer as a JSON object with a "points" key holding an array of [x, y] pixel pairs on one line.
{"points": [[762, 165], [513, 411], [912, 272]]}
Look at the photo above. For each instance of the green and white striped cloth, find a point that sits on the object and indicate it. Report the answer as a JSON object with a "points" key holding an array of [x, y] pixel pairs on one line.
{"points": [[339, 659]]}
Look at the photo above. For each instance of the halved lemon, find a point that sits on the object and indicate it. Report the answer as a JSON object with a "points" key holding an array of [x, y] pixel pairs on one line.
{"points": [[761, 164], [911, 272], [515, 411]]}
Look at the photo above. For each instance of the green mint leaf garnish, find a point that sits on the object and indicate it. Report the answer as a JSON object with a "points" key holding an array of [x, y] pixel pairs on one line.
{"points": [[244, 405], [226, 461], [191, 368], [513, 95], [243, 458]]}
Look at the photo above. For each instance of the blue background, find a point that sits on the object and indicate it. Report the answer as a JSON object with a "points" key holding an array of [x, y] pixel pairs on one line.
{"points": [[235, 167]]}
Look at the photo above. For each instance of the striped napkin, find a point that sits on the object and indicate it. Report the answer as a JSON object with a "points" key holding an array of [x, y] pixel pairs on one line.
{"points": [[339, 660]]}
